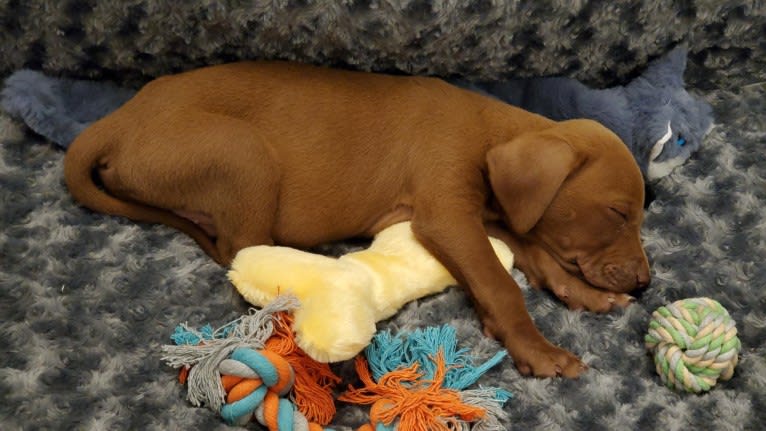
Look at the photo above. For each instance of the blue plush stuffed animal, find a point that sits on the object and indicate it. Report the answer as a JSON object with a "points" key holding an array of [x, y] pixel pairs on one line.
{"points": [[660, 122], [655, 116], [58, 108]]}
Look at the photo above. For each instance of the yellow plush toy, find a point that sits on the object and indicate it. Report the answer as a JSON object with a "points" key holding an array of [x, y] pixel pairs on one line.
{"points": [[341, 299]]}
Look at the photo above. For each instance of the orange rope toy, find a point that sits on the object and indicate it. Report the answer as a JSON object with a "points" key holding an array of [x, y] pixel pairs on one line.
{"points": [[418, 381], [247, 369]]}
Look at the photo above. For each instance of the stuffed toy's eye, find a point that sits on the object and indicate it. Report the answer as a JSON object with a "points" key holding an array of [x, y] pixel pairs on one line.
{"points": [[680, 141]]}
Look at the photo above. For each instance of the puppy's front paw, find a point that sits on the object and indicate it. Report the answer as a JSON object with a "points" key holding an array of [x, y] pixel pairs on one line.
{"points": [[547, 360], [532, 354], [580, 296]]}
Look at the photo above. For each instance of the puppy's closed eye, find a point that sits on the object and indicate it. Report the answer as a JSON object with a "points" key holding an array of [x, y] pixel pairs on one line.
{"points": [[619, 213]]}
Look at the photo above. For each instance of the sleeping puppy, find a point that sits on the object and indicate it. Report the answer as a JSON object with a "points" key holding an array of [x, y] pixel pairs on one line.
{"points": [[278, 153]]}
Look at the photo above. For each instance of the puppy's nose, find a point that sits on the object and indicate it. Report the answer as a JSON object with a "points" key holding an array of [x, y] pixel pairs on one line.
{"points": [[643, 278]]}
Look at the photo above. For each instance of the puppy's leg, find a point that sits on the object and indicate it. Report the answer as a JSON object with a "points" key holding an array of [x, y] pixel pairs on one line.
{"points": [[248, 218], [244, 203], [544, 272], [212, 167], [453, 231], [577, 294]]}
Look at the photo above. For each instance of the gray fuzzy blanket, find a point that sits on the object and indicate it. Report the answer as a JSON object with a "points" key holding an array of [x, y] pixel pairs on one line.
{"points": [[87, 300]]}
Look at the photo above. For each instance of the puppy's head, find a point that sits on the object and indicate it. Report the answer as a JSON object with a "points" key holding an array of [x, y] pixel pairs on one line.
{"points": [[576, 190]]}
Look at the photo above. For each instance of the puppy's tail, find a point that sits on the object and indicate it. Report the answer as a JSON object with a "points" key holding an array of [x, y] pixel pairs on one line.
{"points": [[90, 152]]}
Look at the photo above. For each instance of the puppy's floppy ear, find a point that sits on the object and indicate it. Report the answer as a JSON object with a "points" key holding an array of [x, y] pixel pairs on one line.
{"points": [[526, 173]]}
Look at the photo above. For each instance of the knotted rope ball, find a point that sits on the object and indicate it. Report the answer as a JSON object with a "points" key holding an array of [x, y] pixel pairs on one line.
{"points": [[256, 383], [252, 368], [694, 342]]}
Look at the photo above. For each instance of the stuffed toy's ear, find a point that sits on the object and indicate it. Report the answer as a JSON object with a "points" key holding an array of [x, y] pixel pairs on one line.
{"points": [[668, 71], [526, 173]]}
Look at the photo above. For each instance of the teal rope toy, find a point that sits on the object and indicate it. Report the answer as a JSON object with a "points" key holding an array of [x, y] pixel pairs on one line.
{"points": [[418, 381], [694, 343]]}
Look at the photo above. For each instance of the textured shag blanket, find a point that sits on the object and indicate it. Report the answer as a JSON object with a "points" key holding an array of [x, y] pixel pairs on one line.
{"points": [[86, 300]]}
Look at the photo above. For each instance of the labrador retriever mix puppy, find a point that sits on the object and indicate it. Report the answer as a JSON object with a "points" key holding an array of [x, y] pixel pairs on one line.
{"points": [[254, 153]]}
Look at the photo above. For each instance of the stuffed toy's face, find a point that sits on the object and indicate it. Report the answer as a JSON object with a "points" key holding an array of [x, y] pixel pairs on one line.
{"points": [[670, 123]]}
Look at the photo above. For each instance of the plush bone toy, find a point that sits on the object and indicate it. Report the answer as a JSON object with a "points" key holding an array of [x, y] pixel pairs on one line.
{"points": [[341, 299]]}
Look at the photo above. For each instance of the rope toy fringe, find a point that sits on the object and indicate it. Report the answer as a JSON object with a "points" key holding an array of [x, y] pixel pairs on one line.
{"points": [[252, 368], [694, 342], [247, 368], [417, 383]]}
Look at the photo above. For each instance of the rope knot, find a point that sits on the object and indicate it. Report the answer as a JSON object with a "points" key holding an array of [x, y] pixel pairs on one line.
{"points": [[694, 342], [252, 368], [254, 382]]}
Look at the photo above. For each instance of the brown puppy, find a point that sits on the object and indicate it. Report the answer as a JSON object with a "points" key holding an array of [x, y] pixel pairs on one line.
{"points": [[262, 153]]}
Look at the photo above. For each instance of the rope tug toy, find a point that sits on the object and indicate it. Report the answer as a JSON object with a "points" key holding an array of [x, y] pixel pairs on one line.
{"points": [[694, 342], [417, 381], [247, 368]]}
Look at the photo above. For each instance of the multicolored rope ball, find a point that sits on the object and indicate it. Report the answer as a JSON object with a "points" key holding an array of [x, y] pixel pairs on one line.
{"points": [[694, 343]]}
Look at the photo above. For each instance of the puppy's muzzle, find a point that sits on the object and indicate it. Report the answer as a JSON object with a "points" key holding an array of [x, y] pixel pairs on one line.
{"points": [[627, 277]]}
